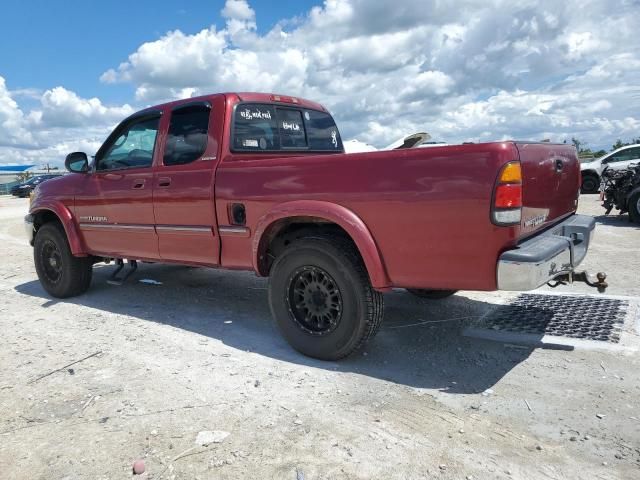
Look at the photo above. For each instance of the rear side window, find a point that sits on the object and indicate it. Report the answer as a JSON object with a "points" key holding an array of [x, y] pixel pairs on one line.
{"points": [[264, 127], [322, 131], [255, 128], [187, 136]]}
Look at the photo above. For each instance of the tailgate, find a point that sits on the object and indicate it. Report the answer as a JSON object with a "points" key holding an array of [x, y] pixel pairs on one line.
{"points": [[551, 184]]}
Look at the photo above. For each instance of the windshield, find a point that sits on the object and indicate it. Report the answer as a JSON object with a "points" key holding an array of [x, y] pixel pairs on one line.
{"points": [[265, 127]]}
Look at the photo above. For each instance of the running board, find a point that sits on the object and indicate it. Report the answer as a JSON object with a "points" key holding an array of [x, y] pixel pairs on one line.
{"points": [[114, 279]]}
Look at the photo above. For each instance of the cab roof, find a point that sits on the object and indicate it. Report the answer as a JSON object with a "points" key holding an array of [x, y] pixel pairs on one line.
{"points": [[236, 97]]}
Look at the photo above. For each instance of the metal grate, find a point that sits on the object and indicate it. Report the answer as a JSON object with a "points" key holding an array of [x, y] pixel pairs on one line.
{"points": [[584, 317]]}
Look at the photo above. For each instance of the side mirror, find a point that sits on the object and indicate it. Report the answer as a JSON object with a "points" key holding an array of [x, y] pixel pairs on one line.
{"points": [[77, 162]]}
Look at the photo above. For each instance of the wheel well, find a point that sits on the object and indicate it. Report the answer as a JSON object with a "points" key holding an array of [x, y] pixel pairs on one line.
{"points": [[281, 233], [589, 173], [44, 216]]}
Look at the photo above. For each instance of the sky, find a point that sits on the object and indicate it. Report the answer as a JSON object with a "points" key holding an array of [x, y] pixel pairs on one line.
{"points": [[464, 70]]}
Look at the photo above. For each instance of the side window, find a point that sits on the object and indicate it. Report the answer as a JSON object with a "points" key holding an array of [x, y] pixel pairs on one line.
{"points": [[187, 136], [133, 147], [625, 155]]}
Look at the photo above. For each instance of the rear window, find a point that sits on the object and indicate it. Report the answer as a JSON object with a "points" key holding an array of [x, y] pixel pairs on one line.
{"points": [[264, 127]]}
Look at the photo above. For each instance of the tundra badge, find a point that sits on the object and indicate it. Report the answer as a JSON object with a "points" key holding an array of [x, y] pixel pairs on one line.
{"points": [[91, 218], [535, 221]]}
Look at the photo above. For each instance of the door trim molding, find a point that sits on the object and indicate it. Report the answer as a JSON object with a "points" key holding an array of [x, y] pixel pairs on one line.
{"points": [[158, 228], [115, 226], [234, 231], [183, 228]]}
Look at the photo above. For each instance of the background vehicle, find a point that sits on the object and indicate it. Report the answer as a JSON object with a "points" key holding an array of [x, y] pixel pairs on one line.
{"points": [[25, 188], [415, 140], [616, 160], [260, 182], [621, 189]]}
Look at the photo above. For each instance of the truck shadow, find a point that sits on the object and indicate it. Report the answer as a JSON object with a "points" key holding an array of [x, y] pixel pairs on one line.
{"points": [[615, 220], [420, 344]]}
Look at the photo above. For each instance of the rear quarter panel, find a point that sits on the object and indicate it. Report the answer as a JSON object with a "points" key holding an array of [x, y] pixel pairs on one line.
{"points": [[427, 209]]}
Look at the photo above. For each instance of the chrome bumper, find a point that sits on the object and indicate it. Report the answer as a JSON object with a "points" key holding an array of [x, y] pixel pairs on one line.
{"points": [[551, 254], [28, 228]]}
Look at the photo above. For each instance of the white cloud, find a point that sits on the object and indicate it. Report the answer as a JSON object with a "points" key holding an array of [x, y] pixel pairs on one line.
{"points": [[62, 122], [12, 131], [241, 18], [473, 70], [238, 10], [479, 70], [64, 108]]}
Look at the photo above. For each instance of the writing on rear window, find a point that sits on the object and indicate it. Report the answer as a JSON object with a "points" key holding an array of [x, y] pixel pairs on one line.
{"points": [[255, 114], [291, 126], [269, 127]]}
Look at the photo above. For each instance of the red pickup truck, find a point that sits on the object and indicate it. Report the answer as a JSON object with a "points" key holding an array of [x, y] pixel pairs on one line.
{"points": [[260, 182]]}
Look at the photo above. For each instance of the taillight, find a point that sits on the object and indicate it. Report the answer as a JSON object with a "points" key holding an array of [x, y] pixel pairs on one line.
{"points": [[507, 196]]}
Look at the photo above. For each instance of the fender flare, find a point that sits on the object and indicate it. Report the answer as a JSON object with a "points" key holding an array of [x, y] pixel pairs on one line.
{"points": [[342, 216], [74, 237]]}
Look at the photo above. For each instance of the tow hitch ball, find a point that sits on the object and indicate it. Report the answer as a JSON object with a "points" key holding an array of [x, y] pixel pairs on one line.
{"points": [[598, 282]]}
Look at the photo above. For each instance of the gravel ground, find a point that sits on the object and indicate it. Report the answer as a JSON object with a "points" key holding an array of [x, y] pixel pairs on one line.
{"points": [[198, 353]]}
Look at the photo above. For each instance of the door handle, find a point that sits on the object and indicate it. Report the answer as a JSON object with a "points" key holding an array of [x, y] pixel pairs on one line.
{"points": [[138, 184], [164, 182]]}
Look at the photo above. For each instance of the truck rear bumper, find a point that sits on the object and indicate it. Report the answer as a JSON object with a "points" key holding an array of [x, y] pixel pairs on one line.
{"points": [[551, 254]]}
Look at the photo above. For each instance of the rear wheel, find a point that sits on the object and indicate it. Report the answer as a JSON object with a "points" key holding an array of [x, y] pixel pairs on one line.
{"points": [[61, 274], [634, 207], [590, 183], [431, 294], [321, 298]]}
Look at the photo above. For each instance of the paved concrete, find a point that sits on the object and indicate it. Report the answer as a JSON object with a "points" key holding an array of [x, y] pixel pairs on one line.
{"points": [[199, 353]]}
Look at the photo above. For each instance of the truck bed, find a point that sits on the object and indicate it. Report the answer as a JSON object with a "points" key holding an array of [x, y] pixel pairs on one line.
{"points": [[428, 210]]}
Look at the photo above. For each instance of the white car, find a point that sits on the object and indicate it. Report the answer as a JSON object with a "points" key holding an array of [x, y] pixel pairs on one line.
{"points": [[618, 159]]}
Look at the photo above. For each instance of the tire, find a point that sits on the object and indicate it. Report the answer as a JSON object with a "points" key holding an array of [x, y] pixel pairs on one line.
{"points": [[590, 183], [61, 274], [634, 207], [344, 314], [431, 294]]}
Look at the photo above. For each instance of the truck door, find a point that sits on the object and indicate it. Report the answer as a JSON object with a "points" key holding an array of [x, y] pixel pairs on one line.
{"points": [[115, 205], [183, 199]]}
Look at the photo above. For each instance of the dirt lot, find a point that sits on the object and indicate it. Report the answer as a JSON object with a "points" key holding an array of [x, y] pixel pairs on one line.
{"points": [[199, 353]]}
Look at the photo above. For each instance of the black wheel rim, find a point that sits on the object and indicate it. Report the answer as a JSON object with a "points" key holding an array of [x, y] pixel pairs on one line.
{"points": [[51, 261], [314, 300]]}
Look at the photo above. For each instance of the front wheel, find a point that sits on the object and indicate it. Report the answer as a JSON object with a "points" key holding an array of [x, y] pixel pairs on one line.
{"points": [[61, 274], [321, 298], [431, 294], [634, 207]]}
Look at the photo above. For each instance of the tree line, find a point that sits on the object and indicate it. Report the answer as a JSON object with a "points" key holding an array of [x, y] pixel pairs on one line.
{"points": [[585, 151]]}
